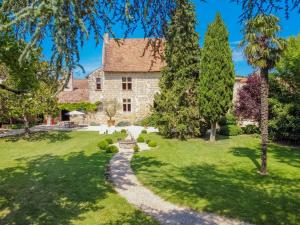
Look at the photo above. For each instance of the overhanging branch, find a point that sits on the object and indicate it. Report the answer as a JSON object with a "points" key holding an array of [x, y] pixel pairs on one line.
{"points": [[18, 92]]}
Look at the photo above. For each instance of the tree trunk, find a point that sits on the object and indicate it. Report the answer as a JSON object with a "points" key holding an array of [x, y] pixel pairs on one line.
{"points": [[49, 118], [26, 125], [264, 115], [213, 131]]}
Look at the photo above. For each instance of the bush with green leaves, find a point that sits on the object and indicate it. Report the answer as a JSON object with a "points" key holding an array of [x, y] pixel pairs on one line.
{"points": [[152, 144], [230, 130], [284, 124], [228, 119], [112, 149], [140, 139], [147, 121], [144, 131], [103, 145], [250, 129], [136, 148], [147, 141], [109, 141], [123, 131]]}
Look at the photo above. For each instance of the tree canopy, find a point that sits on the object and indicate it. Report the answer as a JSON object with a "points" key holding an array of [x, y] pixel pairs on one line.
{"points": [[216, 74], [176, 107], [288, 67], [252, 8], [247, 105]]}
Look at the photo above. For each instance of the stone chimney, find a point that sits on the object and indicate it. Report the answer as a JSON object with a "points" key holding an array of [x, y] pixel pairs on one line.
{"points": [[105, 42]]}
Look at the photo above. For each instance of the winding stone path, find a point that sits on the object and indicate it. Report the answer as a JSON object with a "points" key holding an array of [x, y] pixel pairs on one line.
{"points": [[127, 185]]}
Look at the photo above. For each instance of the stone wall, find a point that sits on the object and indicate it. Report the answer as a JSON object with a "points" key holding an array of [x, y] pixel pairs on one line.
{"points": [[144, 87]]}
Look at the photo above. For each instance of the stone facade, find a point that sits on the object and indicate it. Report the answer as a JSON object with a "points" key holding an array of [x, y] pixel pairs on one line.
{"points": [[144, 87]]}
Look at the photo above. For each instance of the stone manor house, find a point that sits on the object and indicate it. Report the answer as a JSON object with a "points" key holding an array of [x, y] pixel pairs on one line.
{"points": [[129, 74]]}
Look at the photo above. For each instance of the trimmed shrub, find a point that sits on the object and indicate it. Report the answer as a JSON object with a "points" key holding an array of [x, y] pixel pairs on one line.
{"points": [[140, 139], [152, 144], [136, 148], [123, 124], [147, 141], [103, 145], [112, 149], [250, 129], [230, 130], [123, 131], [144, 131], [109, 141]]}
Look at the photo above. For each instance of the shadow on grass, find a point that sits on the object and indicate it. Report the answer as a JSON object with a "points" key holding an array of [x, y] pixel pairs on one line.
{"points": [[233, 192], [283, 154], [52, 190], [288, 155], [51, 137], [252, 154]]}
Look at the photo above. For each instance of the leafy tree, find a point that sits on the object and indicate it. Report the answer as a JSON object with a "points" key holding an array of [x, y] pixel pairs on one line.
{"points": [[263, 49], [21, 78], [288, 67], [176, 106], [285, 95], [216, 75], [247, 105], [33, 82], [69, 23], [252, 8], [38, 101]]}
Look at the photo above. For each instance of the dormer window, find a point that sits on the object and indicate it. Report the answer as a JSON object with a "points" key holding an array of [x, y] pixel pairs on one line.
{"points": [[126, 83], [98, 84]]}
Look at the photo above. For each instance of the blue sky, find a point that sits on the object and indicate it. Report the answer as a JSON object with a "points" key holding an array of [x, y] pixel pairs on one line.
{"points": [[90, 54]]}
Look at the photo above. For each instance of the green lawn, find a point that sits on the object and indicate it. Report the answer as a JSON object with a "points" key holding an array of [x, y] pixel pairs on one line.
{"points": [[58, 178], [222, 177]]}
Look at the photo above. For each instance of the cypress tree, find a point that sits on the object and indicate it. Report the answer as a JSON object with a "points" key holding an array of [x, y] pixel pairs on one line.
{"points": [[176, 107], [216, 75]]}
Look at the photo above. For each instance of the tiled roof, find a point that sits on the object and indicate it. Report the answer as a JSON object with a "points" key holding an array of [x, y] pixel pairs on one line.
{"points": [[130, 55], [241, 79], [80, 93]]}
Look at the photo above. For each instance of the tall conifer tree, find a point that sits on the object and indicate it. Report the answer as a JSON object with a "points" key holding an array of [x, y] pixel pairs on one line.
{"points": [[216, 75], [176, 107]]}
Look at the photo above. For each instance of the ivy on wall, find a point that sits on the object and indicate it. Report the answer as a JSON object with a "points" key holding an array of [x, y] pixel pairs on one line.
{"points": [[83, 106]]}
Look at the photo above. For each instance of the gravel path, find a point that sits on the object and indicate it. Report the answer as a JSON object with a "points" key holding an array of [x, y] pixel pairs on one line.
{"points": [[127, 185]]}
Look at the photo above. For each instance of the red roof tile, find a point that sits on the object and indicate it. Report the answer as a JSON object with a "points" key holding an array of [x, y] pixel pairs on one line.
{"points": [[130, 55], [241, 79], [80, 93]]}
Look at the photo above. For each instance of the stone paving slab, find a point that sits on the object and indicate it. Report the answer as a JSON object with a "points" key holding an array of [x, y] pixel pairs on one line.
{"points": [[127, 185]]}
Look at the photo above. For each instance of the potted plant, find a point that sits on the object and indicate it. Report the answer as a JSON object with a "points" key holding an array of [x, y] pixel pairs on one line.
{"points": [[111, 108]]}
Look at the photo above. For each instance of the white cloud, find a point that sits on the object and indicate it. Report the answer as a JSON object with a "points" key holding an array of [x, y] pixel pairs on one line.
{"points": [[237, 52], [238, 55]]}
